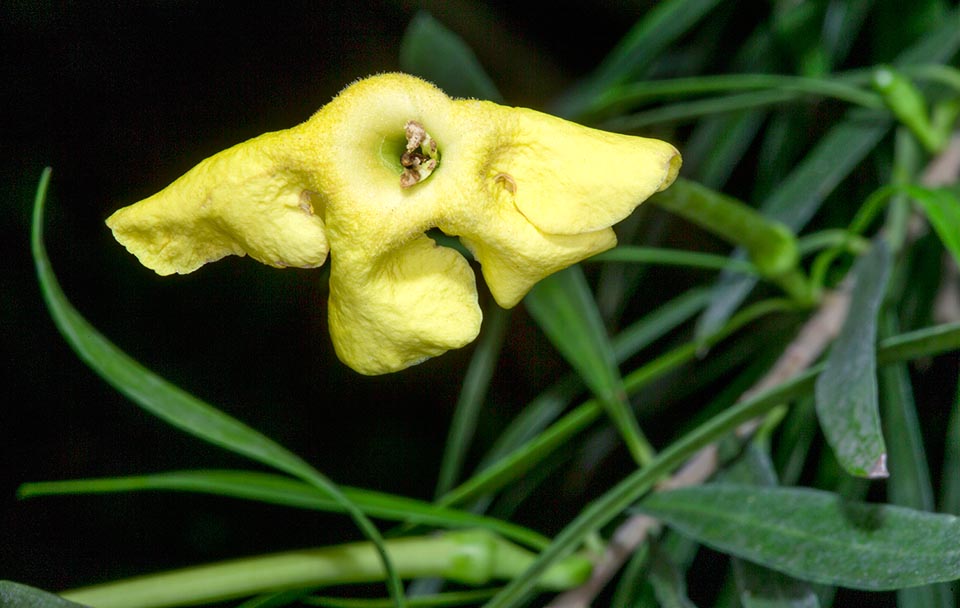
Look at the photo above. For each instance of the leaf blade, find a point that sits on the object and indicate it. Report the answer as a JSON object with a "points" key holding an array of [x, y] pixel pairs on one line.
{"points": [[434, 52], [282, 490], [563, 307], [846, 392], [942, 208], [814, 535]]}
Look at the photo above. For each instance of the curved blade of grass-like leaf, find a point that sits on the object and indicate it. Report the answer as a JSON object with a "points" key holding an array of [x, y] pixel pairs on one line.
{"points": [[942, 208], [547, 406], [669, 583], [280, 490], [718, 144], [563, 307], [909, 484], [172, 404], [17, 595], [950, 492], [846, 391], [674, 257], [659, 27], [600, 512], [815, 535], [643, 93], [432, 51], [470, 401]]}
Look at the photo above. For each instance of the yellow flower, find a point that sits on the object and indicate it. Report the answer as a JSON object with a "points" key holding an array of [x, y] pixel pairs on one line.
{"points": [[388, 159]]}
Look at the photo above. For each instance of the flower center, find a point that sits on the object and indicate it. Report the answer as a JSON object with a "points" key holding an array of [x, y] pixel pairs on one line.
{"points": [[421, 156]]}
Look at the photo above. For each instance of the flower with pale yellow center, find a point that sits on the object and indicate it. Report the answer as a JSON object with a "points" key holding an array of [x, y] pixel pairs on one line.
{"points": [[364, 178]]}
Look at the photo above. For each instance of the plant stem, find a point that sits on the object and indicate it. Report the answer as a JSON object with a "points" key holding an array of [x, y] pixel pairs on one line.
{"points": [[770, 245], [472, 557]]}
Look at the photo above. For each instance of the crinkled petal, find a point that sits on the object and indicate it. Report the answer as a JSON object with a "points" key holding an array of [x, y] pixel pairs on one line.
{"points": [[569, 179], [515, 255], [244, 200], [419, 302]]}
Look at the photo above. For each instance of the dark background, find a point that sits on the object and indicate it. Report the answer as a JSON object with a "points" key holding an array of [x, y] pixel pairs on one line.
{"points": [[121, 98]]}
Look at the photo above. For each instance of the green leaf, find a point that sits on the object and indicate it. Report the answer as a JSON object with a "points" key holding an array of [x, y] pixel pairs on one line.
{"points": [[815, 535], [942, 208], [669, 584], [564, 308], [765, 588], [950, 485], [16, 595], [472, 395], [432, 51], [846, 391], [280, 490], [758, 586], [674, 257], [636, 51], [909, 484], [602, 510], [170, 403], [451, 598]]}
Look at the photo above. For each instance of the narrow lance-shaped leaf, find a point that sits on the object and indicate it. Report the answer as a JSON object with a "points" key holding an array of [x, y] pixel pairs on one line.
{"points": [[432, 51], [649, 36], [669, 584], [563, 307], [950, 484], [283, 490], [815, 535], [846, 391], [942, 208]]}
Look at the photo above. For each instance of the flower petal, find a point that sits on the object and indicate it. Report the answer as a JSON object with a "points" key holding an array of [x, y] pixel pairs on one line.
{"points": [[243, 200], [514, 255], [417, 303], [570, 179]]}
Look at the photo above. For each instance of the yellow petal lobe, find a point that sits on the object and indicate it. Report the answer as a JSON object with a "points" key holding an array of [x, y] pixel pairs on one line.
{"points": [[419, 303], [569, 179], [242, 201]]}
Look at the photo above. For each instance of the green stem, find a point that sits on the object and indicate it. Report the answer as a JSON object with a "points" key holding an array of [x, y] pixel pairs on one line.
{"points": [[674, 257], [833, 238], [770, 245], [618, 99], [471, 557]]}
